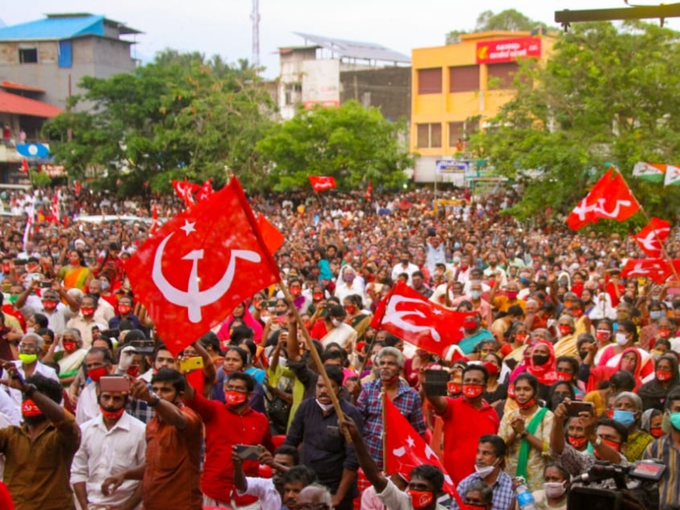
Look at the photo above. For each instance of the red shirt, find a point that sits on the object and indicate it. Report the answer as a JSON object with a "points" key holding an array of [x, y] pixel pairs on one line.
{"points": [[319, 330], [463, 426], [223, 429]]}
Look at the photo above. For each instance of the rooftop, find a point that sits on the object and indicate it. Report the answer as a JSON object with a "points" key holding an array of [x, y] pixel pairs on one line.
{"points": [[18, 105], [12, 85], [63, 26], [356, 49]]}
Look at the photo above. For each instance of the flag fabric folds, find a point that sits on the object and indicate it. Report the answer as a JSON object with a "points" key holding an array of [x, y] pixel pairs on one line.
{"points": [[185, 190], [651, 238], [200, 265], [273, 239], [322, 183], [653, 172]]}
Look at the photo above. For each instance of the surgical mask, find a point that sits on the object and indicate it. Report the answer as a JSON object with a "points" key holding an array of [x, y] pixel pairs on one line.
{"points": [[475, 294], [675, 420], [625, 418], [28, 359], [554, 489], [105, 285], [621, 339], [656, 314], [235, 398], [324, 407], [484, 471], [336, 322]]}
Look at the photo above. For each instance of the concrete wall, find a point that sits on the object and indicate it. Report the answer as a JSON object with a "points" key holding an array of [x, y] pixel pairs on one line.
{"points": [[387, 88]]}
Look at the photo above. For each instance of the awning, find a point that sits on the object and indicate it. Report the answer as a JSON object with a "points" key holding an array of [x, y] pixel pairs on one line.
{"points": [[18, 105], [12, 85]]}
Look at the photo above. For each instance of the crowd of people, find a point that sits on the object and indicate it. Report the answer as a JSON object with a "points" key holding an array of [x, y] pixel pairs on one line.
{"points": [[564, 366]]}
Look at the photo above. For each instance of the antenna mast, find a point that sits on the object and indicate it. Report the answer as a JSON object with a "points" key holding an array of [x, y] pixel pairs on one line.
{"points": [[255, 17]]}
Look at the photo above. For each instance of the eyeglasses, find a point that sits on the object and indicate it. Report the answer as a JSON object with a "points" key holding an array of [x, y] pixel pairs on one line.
{"points": [[312, 506]]}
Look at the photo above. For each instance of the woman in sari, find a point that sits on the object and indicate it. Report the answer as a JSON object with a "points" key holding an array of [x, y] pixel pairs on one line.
{"points": [[75, 274], [71, 358], [357, 317]]}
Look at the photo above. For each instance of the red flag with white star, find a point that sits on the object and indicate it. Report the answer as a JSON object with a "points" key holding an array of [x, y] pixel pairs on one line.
{"points": [[185, 190], [651, 238], [322, 183], [205, 191], [200, 266], [405, 449], [408, 315]]}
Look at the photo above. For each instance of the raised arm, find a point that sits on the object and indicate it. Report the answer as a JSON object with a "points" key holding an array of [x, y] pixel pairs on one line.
{"points": [[167, 411], [365, 460]]}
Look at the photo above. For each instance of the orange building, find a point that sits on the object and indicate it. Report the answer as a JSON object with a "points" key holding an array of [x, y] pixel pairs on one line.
{"points": [[456, 88]]}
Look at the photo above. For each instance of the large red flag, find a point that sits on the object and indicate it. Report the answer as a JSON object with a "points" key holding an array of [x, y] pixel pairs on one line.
{"points": [[184, 293], [270, 234], [609, 199], [651, 238], [657, 270], [322, 183], [185, 190], [405, 449], [205, 191], [407, 314]]}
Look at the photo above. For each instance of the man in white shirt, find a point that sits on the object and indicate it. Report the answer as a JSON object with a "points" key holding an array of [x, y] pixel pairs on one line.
{"points": [[111, 443], [50, 306], [85, 321], [98, 363], [404, 266], [349, 283], [104, 311]]}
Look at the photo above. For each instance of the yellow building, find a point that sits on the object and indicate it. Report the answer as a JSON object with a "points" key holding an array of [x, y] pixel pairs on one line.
{"points": [[452, 84]]}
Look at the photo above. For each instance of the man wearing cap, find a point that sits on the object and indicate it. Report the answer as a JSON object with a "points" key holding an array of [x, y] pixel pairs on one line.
{"points": [[104, 439]]}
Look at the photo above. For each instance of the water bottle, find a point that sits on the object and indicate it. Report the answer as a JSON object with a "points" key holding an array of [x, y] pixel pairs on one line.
{"points": [[525, 500]]}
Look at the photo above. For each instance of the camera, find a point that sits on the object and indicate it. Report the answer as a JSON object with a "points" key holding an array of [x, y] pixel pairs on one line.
{"points": [[644, 475]]}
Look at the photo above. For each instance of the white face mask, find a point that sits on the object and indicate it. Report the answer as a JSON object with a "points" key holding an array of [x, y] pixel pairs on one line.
{"points": [[335, 322], [325, 408], [485, 471], [621, 338], [554, 489]]}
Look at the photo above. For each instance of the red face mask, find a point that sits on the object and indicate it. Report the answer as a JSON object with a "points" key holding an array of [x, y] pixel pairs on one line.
{"points": [[70, 346], [97, 373], [512, 294], [577, 442], [235, 398], [420, 499], [472, 390], [454, 388], [87, 312], [610, 413], [351, 309], [664, 375], [317, 297], [133, 370], [112, 415], [492, 368], [613, 445], [664, 333], [656, 432], [603, 335], [470, 325], [521, 337], [295, 291], [124, 309], [576, 312], [564, 330], [28, 408], [49, 305], [528, 404], [565, 376]]}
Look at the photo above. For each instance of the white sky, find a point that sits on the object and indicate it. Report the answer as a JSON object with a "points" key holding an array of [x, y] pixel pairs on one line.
{"points": [[224, 26]]}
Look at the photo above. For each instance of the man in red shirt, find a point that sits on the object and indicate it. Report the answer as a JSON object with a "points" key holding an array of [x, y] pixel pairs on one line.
{"points": [[466, 419], [226, 425]]}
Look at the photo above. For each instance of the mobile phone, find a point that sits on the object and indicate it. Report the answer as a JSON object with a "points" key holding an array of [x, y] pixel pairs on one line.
{"points": [[248, 452], [576, 408], [115, 384], [144, 347], [190, 364], [270, 303], [435, 383], [45, 284]]}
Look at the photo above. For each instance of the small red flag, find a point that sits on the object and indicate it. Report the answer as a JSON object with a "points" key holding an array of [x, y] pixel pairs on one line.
{"points": [[205, 191], [406, 450], [322, 183], [55, 208], [270, 234], [200, 266], [651, 238], [407, 314], [609, 199], [154, 219], [185, 190], [369, 190], [24, 165], [76, 187]]}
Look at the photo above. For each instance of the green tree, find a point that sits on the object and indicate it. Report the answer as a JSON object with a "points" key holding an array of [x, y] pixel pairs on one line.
{"points": [[351, 143], [606, 95], [179, 115], [508, 20]]}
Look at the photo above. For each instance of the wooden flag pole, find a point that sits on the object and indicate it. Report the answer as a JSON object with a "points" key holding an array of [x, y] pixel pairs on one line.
{"points": [[656, 236], [313, 353], [383, 397], [370, 345]]}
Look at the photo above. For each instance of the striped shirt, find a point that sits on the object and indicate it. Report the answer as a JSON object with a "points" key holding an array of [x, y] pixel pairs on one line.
{"points": [[669, 485]]}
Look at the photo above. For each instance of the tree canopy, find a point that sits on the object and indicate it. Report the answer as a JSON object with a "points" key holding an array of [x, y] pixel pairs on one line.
{"points": [[351, 143], [606, 95], [510, 20], [182, 114]]}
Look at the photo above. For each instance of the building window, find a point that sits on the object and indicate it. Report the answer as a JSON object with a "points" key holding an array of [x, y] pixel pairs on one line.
{"points": [[429, 136], [456, 134], [430, 81], [293, 93], [502, 75], [28, 55], [464, 79]]}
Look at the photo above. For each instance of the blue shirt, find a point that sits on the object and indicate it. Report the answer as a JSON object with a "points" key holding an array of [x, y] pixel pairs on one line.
{"points": [[503, 495]]}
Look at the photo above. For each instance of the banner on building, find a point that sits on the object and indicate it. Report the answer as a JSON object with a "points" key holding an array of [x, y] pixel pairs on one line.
{"points": [[508, 50]]}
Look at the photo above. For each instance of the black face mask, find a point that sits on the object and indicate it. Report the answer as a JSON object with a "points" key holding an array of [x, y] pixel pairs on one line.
{"points": [[540, 359], [404, 261], [583, 354], [557, 400]]}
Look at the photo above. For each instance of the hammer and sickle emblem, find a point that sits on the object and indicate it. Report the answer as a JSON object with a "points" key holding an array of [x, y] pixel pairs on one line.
{"points": [[194, 299]]}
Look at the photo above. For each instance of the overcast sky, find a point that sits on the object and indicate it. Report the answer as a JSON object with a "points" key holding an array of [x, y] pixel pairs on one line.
{"points": [[224, 26]]}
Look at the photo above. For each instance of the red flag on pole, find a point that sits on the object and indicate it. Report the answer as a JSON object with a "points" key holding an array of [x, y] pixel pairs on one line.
{"points": [[322, 183], [407, 314], [657, 270], [270, 234], [205, 191], [154, 219], [651, 238], [24, 165], [176, 283], [369, 190], [406, 450], [185, 190], [55, 208], [76, 187], [609, 199]]}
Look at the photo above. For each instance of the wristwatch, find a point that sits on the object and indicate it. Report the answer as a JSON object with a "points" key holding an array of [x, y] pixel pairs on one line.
{"points": [[596, 443], [155, 400]]}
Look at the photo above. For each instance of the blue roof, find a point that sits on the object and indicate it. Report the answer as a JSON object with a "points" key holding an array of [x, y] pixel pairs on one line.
{"points": [[57, 27]]}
